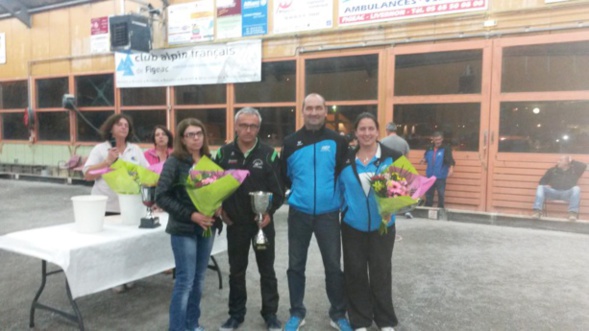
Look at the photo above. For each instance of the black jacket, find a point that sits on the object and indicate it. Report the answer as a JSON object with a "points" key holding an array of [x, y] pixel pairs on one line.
{"points": [[264, 167], [560, 179], [171, 196]]}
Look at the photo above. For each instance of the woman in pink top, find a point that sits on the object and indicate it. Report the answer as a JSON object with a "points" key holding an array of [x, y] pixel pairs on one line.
{"points": [[163, 142]]}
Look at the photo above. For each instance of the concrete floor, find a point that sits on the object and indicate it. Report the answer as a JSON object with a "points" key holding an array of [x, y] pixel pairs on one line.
{"points": [[446, 276]]}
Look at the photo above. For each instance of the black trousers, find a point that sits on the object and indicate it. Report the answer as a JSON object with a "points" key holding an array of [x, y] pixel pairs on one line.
{"points": [[239, 241], [368, 278]]}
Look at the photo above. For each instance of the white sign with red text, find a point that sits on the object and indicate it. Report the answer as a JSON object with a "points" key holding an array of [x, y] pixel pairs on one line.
{"points": [[302, 15], [371, 11]]}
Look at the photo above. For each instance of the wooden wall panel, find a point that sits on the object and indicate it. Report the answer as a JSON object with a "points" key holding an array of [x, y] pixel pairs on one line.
{"points": [[17, 49], [40, 43]]}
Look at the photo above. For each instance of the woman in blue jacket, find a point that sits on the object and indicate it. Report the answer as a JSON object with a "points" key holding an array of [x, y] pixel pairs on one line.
{"points": [[367, 254]]}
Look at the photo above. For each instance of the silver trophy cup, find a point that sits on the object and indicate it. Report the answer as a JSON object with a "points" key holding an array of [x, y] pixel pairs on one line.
{"points": [[148, 199], [261, 201]]}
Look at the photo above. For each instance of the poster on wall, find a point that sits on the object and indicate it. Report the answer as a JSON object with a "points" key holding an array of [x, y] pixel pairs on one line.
{"points": [[237, 62], [302, 15], [2, 47], [241, 18], [191, 22], [255, 17], [99, 37], [370, 11], [228, 19]]}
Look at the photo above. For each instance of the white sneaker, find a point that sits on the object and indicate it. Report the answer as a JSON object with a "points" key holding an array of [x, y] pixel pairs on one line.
{"points": [[130, 285], [361, 329], [387, 328]]}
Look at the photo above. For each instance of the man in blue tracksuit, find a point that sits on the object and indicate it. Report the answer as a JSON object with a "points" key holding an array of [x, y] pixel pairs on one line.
{"points": [[311, 161], [440, 163]]}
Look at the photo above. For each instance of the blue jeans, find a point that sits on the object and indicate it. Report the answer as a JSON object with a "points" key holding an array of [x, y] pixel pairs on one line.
{"points": [[440, 186], [572, 195], [191, 254], [326, 227]]}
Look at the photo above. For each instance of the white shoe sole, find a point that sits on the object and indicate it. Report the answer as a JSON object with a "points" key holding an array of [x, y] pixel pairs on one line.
{"points": [[299, 327]]}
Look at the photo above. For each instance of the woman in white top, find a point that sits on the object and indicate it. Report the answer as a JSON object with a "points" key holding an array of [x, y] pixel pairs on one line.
{"points": [[116, 131]]}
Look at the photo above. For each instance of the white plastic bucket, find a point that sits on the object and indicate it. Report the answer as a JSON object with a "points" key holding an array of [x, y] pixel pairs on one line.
{"points": [[89, 212], [132, 209]]}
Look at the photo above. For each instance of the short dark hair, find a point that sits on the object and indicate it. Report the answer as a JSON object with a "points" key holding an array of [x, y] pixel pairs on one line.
{"points": [[438, 134], [106, 127], [391, 127], [180, 150], [166, 131], [362, 116]]}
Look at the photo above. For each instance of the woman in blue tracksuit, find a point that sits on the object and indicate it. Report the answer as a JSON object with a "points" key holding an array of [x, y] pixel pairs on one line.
{"points": [[367, 254]]}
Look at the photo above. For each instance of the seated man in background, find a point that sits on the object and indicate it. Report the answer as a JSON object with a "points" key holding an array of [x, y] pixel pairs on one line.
{"points": [[560, 183]]}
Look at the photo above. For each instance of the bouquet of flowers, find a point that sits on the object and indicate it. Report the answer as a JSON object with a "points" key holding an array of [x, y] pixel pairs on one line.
{"points": [[398, 187], [208, 185], [126, 178]]}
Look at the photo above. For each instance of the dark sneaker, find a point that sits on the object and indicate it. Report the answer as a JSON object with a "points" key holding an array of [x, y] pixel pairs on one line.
{"points": [[341, 324], [294, 323], [572, 216], [273, 324], [230, 325]]}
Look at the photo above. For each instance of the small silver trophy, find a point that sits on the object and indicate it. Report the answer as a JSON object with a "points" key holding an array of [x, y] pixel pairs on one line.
{"points": [[261, 201], [148, 199]]}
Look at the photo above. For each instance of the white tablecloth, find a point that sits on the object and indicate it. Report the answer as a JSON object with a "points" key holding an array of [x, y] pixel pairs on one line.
{"points": [[95, 262]]}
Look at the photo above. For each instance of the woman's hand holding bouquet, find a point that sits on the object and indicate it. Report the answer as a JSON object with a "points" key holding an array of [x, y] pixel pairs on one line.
{"points": [[396, 187], [126, 178], [207, 186]]}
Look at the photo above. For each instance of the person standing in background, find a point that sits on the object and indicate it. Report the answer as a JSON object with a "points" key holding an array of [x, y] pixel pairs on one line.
{"points": [[163, 141], [440, 163], [396, 143], [116, 131]]}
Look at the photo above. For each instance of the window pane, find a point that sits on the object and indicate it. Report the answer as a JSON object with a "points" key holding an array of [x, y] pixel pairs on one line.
{"points": [[341, 118], [200, 94], [343, 78], [14, 95], [459, 122], [213, 119], [95, 91], [277, 123], [51, 91], [438, 73], [96, 118], [54, 126], [544, 127], [147, 96], [13, 126], [144, 121], [548, 67], [277, 85]]}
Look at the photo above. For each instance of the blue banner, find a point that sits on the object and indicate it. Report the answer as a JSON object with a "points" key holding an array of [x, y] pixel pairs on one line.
{"points": [[254, 17]]}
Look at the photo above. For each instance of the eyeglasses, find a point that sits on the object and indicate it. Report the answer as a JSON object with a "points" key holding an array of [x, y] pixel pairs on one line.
{"points": [[193, 135], [244, 126]]}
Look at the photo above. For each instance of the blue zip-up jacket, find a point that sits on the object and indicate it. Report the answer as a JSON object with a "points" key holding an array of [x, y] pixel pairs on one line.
{"points": [[441, 165], [311, 162], [359, 210]]}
